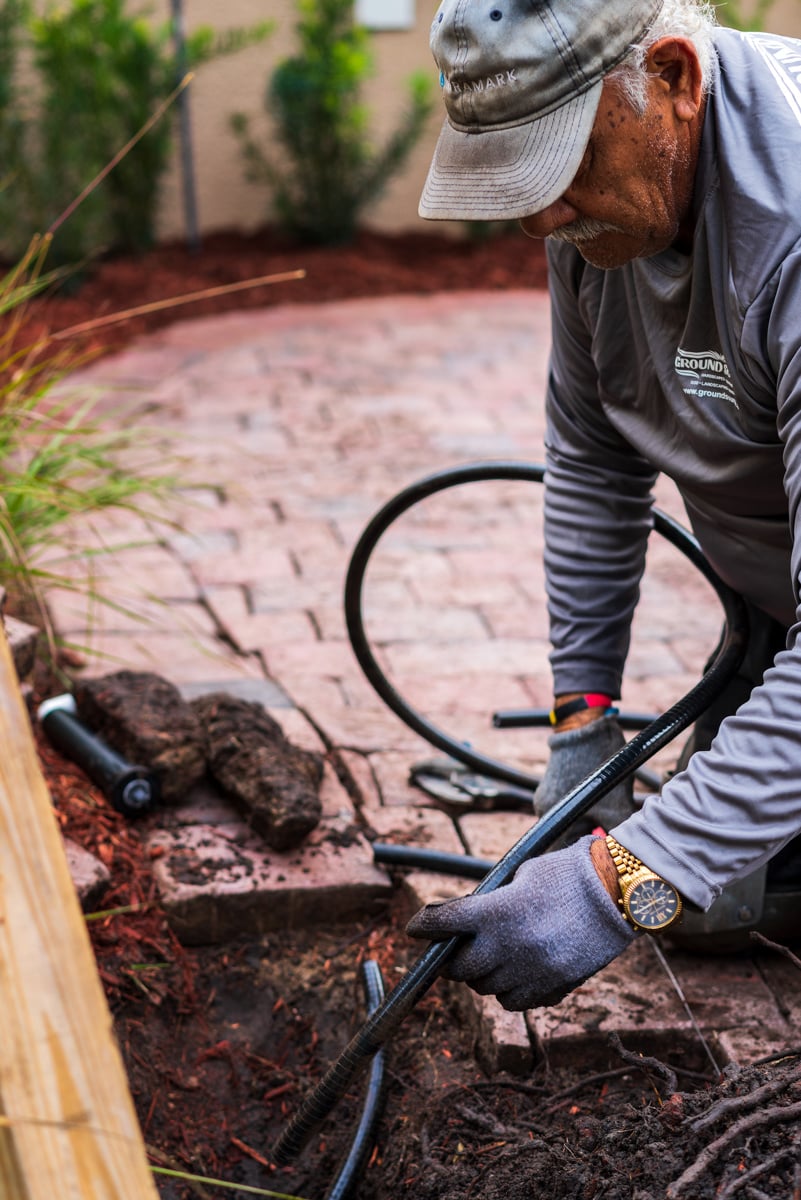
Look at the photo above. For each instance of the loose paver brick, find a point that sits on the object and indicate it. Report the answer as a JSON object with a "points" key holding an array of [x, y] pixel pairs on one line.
{"points": [[216, 879], [633, 998]]}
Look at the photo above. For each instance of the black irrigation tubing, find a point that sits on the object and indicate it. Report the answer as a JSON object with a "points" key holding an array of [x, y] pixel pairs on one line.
{"points": [[364, 1137], [391, 855], [401, 1000], [429, 485]]}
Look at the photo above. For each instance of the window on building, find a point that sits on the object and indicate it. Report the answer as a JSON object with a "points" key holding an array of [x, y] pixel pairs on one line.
{"points": [[385, 14]]}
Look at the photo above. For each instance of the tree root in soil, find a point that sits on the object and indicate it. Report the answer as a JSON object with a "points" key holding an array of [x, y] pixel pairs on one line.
{"points": [[605, 1135], [764, 1119]]}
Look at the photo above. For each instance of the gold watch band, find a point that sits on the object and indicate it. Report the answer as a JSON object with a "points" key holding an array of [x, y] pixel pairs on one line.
{"points": [[626, 862]]}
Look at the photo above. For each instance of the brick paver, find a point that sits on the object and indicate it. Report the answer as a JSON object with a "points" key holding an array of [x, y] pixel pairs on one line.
{"points": [[293, 426]]}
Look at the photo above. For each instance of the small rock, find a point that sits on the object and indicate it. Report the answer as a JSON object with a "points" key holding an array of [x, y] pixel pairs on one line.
{"points": [[23, 640], [276, 784], [89, 875], [146, 719]]}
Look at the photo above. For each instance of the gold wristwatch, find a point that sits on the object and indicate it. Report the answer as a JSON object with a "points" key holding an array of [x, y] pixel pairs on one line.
{"points": [[648, 901]]}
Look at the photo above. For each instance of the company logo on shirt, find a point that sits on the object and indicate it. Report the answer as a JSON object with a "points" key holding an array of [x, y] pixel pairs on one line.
{"points": [[783, 59], [704, 374]]}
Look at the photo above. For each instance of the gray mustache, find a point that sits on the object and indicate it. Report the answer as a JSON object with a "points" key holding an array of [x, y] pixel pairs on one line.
{"points": [[582, 230]]}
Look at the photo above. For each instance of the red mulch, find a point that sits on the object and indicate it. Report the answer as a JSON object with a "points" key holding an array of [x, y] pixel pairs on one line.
{"points": [[123, 941], [373, 265]]}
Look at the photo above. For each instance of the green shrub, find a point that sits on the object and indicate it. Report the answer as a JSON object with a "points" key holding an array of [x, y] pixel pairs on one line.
{"points": [[103, 73], [330, 172], [14, 181]]}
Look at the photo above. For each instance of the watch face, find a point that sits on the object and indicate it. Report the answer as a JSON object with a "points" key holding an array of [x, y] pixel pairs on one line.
{"points": [[652, 903]]}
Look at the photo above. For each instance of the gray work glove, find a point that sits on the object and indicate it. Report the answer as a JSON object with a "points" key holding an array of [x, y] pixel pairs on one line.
{"points": [[575, 754], [536, 938]]}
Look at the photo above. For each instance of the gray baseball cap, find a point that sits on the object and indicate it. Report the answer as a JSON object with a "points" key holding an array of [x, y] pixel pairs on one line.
{"points": [[521, 80]]}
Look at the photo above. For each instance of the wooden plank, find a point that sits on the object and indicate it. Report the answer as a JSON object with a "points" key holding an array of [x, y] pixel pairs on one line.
{"points": [[67, 1122]]}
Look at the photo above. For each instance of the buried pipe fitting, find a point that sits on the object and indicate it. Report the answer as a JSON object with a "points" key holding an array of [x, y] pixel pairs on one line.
{"points": [[133, 790]]}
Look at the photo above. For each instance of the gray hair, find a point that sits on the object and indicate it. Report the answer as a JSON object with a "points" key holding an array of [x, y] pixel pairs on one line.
{"points": [[692, 19]]}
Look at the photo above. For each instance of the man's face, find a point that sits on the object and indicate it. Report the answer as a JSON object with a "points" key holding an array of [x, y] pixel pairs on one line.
{"points": [[633, 190]]}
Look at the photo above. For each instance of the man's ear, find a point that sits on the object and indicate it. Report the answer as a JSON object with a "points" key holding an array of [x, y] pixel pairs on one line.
{"points": [[674, 61]]}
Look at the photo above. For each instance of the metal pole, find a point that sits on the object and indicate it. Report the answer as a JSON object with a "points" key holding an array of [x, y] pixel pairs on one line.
{"points": [[185, 124]]}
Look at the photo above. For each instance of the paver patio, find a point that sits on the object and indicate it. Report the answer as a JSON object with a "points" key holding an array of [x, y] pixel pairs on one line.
{"points": [[293, 426]]}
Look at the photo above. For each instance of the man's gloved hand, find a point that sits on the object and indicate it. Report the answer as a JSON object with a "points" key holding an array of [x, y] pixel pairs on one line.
{"points": [[538, 937], [575, 754]]}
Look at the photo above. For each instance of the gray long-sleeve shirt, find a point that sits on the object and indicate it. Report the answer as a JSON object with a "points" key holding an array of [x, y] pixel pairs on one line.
{"points": [[691, 365]]}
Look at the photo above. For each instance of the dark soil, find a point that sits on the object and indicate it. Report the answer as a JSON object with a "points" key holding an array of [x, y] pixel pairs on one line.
{"points": [[222, 1043]]}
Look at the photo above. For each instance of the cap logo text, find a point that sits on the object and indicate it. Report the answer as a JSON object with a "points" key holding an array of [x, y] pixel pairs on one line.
{"points": [[501, 79]]}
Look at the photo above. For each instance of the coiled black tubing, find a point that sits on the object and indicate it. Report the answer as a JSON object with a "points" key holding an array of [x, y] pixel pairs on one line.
{"points": [[379, 1027]]}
